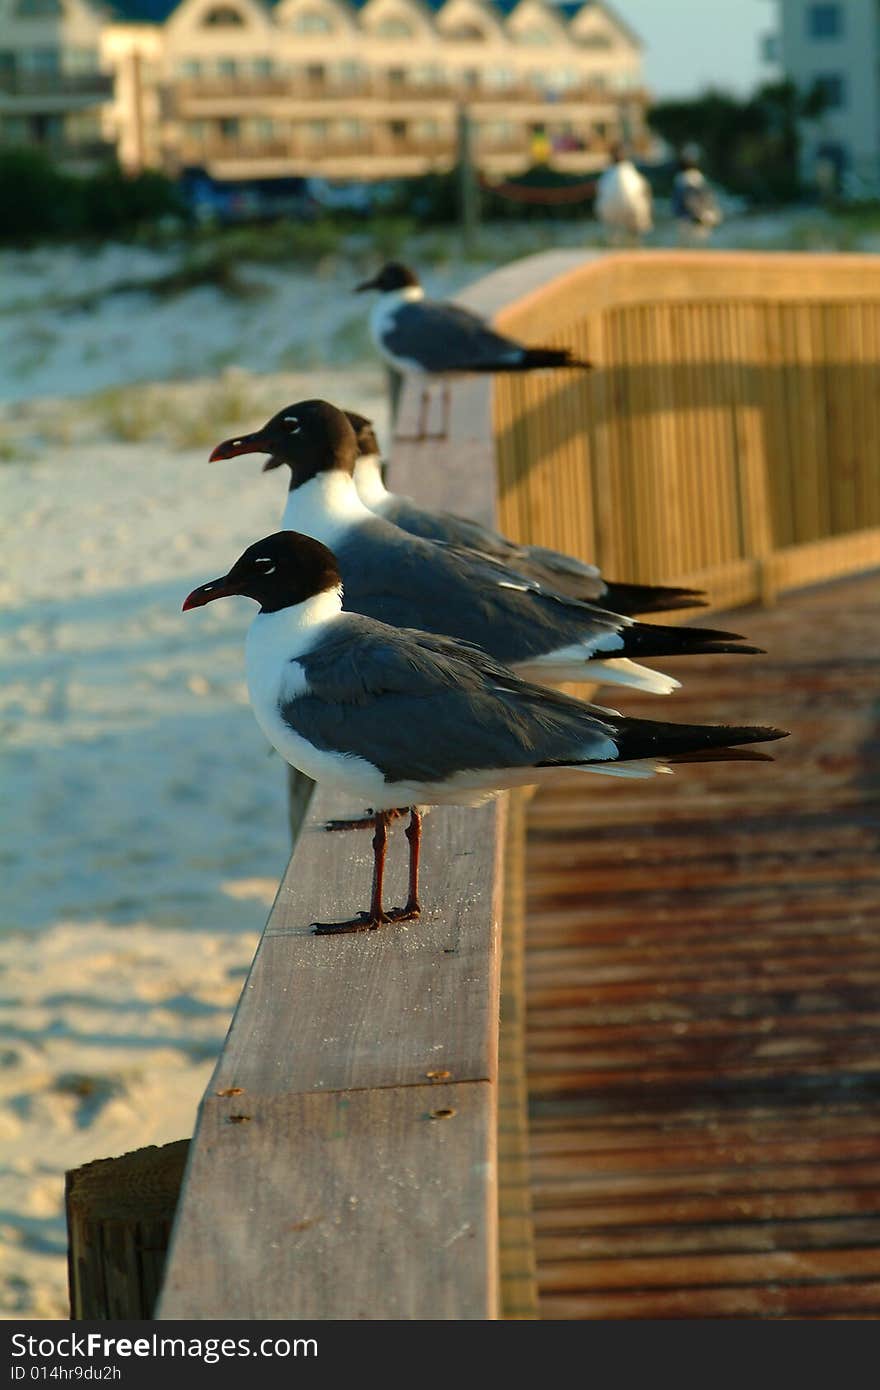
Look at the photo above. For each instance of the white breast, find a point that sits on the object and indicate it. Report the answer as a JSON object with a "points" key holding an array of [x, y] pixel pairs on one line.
{"points": [[326, 507], [381, 323], [274, 643]]}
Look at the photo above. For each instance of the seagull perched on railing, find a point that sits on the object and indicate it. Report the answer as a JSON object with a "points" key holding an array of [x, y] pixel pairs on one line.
{"points": [[623, 199], [411, 582], [392, 718], [562, 573], [434, 339], [694, 205]]}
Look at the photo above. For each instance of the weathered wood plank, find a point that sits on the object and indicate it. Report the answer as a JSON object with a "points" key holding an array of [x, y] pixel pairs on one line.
{"points": [[119, 1215], [378, 1008], [345, 1206]]}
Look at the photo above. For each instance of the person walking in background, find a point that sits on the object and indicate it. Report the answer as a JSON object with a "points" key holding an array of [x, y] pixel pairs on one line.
{"points": [[623, 201], [694, 205]]}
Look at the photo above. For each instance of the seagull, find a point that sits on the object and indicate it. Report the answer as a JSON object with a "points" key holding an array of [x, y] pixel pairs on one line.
{"points": [[435, 339], [623, 199], [694, 204], [410, 582], [562, 573], [391, 717]]}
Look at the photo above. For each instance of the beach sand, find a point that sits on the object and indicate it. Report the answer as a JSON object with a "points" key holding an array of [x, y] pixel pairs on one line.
{"points": [[143, 815]]}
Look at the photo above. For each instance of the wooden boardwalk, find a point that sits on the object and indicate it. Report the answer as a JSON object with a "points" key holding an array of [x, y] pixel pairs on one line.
{"points": [[703, 997]]}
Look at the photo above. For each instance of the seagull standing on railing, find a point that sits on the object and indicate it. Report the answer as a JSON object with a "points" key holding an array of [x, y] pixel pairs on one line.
{"points": [[624, 203], [694, 205], [434, 339], [410, 582], [396, 718], [561, 573]]}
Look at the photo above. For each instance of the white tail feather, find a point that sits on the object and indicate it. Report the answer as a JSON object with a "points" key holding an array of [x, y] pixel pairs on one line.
{"points": [[616, 671], [637, 768]]}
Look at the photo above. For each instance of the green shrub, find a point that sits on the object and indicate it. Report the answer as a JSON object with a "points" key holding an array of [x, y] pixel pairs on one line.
{"points": [[40, 201]]}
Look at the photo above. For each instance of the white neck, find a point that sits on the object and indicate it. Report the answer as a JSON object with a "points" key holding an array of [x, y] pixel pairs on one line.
{"points": [[368, 481], [325, 507], [275, 641], [407, 294]]}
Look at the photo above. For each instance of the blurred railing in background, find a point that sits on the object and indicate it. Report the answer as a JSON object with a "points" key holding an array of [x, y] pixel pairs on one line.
{"points": [[730, 434]]}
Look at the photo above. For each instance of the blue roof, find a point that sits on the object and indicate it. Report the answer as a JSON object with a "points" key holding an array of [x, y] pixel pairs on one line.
{"points": [[143, 11], [157, 11]]}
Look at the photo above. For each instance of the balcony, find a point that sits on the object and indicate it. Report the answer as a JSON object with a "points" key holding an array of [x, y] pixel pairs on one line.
{"points": [[93, 85], [190, 92]]}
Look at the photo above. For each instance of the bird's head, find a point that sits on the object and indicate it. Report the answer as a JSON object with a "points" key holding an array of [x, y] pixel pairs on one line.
{"points": [[368, 444], [392, 276], [310, 437], [277, 572]]}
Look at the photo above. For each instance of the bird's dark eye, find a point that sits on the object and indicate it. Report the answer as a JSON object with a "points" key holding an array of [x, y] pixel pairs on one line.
{"points": [[292, 421], [265, 565]]}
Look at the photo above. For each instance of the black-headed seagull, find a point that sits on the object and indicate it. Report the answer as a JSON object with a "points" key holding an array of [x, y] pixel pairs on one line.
{"points": [[390, 717], [410, 582]]}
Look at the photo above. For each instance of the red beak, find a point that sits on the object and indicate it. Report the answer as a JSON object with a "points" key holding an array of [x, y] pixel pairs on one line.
{"points": [[206, 593], [245, 444]]}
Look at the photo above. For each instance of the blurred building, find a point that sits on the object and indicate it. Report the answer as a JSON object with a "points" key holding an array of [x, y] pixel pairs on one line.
{"points": [[53, 90], [835, 44], [334, 88]]}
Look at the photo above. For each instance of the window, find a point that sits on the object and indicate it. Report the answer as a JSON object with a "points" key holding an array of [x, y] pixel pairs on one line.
{"points": [[833, 89], [46, 62], [38, 9], [227, 67], [534, 35], [499, 78], [465, 33], [263, 128], [597, 40], [190, 67], [769, 48], [262, 67], [393, 27], [223, 17], [229, 127], [824, 21], [311, 22]]}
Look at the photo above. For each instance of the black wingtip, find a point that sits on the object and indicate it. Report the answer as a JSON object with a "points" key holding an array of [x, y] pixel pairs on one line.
{"points": [[667, 743], [644, 640]]}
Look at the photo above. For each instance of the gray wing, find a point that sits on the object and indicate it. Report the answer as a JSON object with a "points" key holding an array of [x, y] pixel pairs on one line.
{"points": [[409, 582], [422, 707], [445, 337], [700, 204], [548, 567]]}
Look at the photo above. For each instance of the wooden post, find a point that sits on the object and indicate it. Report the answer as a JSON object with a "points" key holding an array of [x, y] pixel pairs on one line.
{"points": [[468, 193], [395, 380], [299, 794], [119, 1215]]}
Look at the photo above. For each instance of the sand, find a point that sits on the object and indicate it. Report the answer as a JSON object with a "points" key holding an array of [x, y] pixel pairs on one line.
{"points": [[143, 814]]}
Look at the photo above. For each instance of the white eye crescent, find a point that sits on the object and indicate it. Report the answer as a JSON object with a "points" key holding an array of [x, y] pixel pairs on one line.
{"points": [[292, 421], [268, 566]]}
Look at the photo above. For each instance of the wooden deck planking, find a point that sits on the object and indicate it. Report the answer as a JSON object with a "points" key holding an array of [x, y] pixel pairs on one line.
{"points": [[703, 998]]}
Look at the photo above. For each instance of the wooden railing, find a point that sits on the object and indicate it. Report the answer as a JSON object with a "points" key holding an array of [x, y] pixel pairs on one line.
{"points": [[347, 1162], [344, 1164], [730, 434]]}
